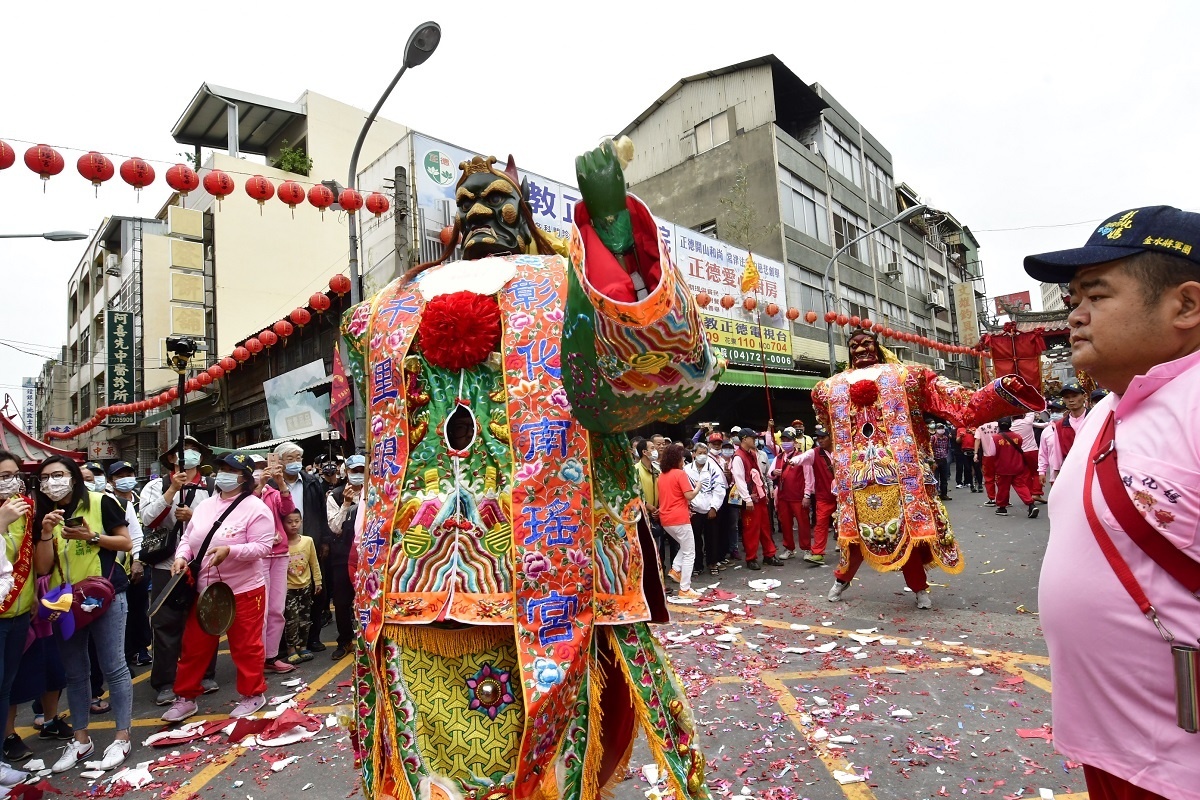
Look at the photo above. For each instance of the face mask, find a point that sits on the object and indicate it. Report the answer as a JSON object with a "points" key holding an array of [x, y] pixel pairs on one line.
{"points": [[294, 469], [191, 459], [57, 488], [125, 484], [11, 486], [356, 478], [227, 481], [788, 446], [99, 484], [258, 473], [701, 460], [653, 454], [726, 451]]}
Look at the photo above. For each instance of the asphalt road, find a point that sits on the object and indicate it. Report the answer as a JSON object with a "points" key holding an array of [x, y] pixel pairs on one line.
{"points": [[786, 703]]}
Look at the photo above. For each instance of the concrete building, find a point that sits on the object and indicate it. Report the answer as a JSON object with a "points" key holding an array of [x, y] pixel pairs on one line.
{"points": [[1053, 297], [814, 179]]}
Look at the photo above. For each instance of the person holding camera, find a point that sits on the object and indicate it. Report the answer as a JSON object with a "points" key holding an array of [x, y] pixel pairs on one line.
{"points": [[87, 530], [240, 533], [341, 508]]}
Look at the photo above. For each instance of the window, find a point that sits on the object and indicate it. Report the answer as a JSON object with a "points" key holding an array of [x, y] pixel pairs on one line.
{"points": [[712, 132], [879, 186], [921, 328], [85, 401], [847, 226], [858, 304], [843, 155], [85, 348], [914, 272], [887, 251], [707, 228], [803, 206], [807, 292], [98, 390], [893, 314]]}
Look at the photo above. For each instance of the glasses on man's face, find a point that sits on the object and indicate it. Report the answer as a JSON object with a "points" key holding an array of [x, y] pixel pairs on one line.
{"points": [[52, 475], [6, 476]]}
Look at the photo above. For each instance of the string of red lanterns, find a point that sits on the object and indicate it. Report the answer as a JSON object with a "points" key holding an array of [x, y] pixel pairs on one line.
{"points": [[280, 330], [138, 173], [703, 299]]}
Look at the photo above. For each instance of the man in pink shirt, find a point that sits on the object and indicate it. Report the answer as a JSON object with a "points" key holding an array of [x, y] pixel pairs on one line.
{"points": [[1135, 328]]}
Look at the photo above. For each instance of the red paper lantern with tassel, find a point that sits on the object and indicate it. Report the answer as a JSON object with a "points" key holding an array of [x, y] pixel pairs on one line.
{"points": [[291, 193], [351, 200], [283, 328], [749, 304], [772, 309], [96, 168], [261, 190], [378, 204], [854, 321], [703, 299], [810, 317], [300, 317], [241, 354], [204, 379], [793, 314], [182, 179], [339, 284], [228, 364], [253, 345], [320, 302], [216, 371], [8, 156], [138, 174], [45, 161], [727, 302], [842, 320], [219, 185], [830, 317], [269, 338], [321, 197]]}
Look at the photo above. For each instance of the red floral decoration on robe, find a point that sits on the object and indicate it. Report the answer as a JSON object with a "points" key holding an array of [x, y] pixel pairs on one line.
{"points": [[459, 330], [863, 393]]}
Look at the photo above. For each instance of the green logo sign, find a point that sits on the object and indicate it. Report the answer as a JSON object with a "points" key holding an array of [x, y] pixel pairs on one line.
{"points": [[439, 168]]}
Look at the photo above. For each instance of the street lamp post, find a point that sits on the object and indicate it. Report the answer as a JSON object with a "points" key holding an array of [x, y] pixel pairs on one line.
{"points": [[53, 236], [420, 46], [827, 281]]}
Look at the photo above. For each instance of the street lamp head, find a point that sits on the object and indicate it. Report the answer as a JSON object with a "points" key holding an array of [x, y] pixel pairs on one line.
{"points": [[910, 212], [64, 236], [421, 44]]}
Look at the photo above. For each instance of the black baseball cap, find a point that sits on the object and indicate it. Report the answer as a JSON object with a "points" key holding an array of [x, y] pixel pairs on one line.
{"points": [[95, 467], [120, 466], [1163, 229], [1072, 386], [237, 460]]}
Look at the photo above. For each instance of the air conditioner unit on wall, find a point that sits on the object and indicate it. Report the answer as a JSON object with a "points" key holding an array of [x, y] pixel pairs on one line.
{"points": [[940, 363], [112, 264], [893, 270], [937, 298]]}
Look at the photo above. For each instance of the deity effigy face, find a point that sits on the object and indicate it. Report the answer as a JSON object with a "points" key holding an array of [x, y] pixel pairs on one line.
{"points": [[489, 216], [863, 352]]}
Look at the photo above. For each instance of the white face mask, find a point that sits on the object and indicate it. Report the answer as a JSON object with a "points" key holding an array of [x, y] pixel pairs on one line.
{"points": [[653, 454], [11, 486], [701, 459], [99, 484], [258, 473], [227, 481], [356, 478], [294, 468], [191, 459], [57, 488], [125, 484]]}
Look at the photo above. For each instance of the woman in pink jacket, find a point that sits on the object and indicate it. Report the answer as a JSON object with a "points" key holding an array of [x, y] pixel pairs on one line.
{"points": [[274, 566], [245, 536]]}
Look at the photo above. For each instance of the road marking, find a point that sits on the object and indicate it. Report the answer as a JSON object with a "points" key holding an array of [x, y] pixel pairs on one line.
{"points": [[215, 768]]}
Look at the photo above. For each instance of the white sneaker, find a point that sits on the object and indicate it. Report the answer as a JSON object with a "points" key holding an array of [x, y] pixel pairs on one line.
{"points": [[10, 777], [835, 594], [115, 754], [74, 751], [924, 600], [784, 554], [248, 706]]}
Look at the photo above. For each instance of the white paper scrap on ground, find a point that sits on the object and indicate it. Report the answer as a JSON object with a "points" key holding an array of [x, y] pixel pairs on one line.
{"points": [[281, 764], [896, 670], [796, 650], [293, 682], [888, 642], [901, 713], [821, 701], [866, 630], [764, 584], [798, 627], [1046, 794], [976, 671], [846, 777], [951, 643], [861, 656], [825, 648], [726, 637], [136, 777], [92, 774], [843, 739]]}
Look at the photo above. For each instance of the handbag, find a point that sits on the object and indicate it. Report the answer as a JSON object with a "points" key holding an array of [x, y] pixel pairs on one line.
{"points": [[159, 544], [180, 594], [90, 599], [1102, 464]]}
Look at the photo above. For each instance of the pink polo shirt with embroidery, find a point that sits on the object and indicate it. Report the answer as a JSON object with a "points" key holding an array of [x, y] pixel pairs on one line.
{"points": [[1114, 696]]}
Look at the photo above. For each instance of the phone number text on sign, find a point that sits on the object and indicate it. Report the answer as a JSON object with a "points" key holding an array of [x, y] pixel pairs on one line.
{"points": [[748, 343]]}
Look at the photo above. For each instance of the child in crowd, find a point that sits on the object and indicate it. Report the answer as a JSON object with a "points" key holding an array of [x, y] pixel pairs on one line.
{"points": [[303, 574]]}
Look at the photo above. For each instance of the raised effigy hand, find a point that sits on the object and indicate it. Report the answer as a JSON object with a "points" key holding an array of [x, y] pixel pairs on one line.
{"points": [[602, 184]]}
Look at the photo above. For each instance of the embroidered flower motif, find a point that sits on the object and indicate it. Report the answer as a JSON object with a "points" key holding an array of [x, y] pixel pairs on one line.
{"points": [[555, 315], [546, 674], [371, 584], [358, 322], [571, 471], [528, 470], [391, 491], [559, 398], [519, 321], [577, 557], [394, 340], [490, 691], [522, 388], [1163, 517], [376, 341], [534, 564]]}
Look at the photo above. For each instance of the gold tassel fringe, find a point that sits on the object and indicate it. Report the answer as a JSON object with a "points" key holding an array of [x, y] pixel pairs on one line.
{"points": [[450, 643]]}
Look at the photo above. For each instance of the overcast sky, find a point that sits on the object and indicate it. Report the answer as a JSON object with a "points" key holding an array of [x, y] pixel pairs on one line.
{"points": [[1028, 121]]}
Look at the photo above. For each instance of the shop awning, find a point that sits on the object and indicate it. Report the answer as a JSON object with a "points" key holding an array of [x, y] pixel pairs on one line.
{"points": [[270, 444], [776, 380]]}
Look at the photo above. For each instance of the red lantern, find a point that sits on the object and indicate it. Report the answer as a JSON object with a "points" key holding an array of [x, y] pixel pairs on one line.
{"points": [[182, 179], [339, 284], [219, 185], [96, 168], [8, 156], [253, 346], [192, 385], [351, 200], [301, 316], [830, 316], [854, 322], [749, 304], [45, 161], [172, 394], [216, 371], [842, 320], [889, 333], [204, 379], [291, 193], [241, 354], [268, 338], [320, 302], [727, 302], [810, 317], [321, 196], [865, 323], [793, 314], [283, 328], [877, 328], [138, 174], [228, 364], [445, 235], [772, 309], [378, 204], [261, 190]]}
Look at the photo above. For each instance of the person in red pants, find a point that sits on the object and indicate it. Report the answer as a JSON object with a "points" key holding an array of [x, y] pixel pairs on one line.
{"points": [[752, 488], [819, 474], [244, 533], [985, 456], [1011, 470], [791, 495]]}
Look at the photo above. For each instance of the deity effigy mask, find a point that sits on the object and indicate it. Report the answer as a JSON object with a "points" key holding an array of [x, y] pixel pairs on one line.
{"points": [[490, 217]]}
